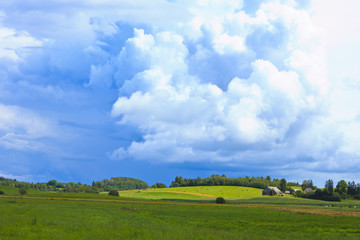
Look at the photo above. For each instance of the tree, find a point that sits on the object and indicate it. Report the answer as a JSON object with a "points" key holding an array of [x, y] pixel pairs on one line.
{"points": [[304, 185], [307, 184], [351, 188], [310, 184], [268, 178], [329, 184], [283, 184], [220, 200], [22, 191], [341, 187], [153, 186], [160, 185], [113, 193], [52, 183], [2, 192], [318, 194]]}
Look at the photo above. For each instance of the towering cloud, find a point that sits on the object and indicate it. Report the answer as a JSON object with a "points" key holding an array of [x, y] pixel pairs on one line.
{"points": [[236, 83]]}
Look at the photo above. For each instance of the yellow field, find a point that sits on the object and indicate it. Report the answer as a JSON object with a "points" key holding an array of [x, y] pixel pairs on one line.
{"points": [[195, 193]]}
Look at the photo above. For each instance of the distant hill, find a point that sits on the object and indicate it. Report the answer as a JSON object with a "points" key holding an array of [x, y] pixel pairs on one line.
{"points": [[121, 183]]}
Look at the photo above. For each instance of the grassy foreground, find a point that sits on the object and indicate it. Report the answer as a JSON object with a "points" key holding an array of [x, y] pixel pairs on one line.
{"points": [[40, 215], [59, 219]]}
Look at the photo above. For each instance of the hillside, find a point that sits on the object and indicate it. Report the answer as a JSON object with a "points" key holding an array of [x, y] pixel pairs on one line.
{"points": [[195, 193]]}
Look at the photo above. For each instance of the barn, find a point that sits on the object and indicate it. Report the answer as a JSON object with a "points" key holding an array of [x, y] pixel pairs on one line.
{"points": [[269, 190], [294, 190], [308, 190]]}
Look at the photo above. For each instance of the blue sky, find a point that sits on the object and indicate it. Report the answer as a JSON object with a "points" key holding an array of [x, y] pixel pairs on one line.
{"points": [[98, 89]]}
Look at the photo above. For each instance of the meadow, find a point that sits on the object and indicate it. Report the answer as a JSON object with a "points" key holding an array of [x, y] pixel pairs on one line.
{"points": [[40, 215]]}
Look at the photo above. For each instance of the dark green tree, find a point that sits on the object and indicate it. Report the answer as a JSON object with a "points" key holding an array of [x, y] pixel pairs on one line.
{"points": [[283, 184], [307, 184], [310, 184], [160, 185], [220, 200], [113, 193], [52, 183], [304, 185], [351, 188], [341, 187], [329, 185]]}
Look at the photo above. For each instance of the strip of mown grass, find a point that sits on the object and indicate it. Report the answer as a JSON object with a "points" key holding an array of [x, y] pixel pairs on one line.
{"points": [[58, 219]]}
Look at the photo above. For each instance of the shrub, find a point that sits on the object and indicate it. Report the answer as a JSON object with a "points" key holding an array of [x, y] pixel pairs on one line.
{"points": [[113, 193], [2, 192], [357, 196], [343, 196], [22, 191], [160, 185], [220, 200], [299, 194], [335, 197]]}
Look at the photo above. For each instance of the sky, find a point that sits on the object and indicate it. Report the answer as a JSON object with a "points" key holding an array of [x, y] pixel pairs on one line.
{"points": [[95, 89]]}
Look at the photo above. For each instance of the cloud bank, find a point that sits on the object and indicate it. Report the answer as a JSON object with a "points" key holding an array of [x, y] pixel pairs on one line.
{"points": [[231, 87], [245, 84]]}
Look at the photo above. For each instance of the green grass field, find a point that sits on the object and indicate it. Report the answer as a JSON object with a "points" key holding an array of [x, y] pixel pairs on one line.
{"points": [[45, 215]]}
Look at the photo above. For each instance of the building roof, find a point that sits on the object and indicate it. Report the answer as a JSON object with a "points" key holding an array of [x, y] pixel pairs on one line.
{"points": [[277, 191]]}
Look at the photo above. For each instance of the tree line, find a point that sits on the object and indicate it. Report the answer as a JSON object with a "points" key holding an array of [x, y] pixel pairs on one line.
{"points": [[342, 190], [116, 183], [217, 180]]}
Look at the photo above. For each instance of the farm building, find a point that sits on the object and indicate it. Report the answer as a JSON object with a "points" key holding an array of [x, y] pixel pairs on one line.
{"points": [[268, 191], [287, 192], [308, 190], [294, 190]]}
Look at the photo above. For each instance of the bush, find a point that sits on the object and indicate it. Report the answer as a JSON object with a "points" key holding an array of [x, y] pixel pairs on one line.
{"points": [[92, 191], [2, 192], [220, 200], [22, 191], [335, 197], [343, 196], [113, 193], [357, 196], [160, 185], [299, 194]]}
